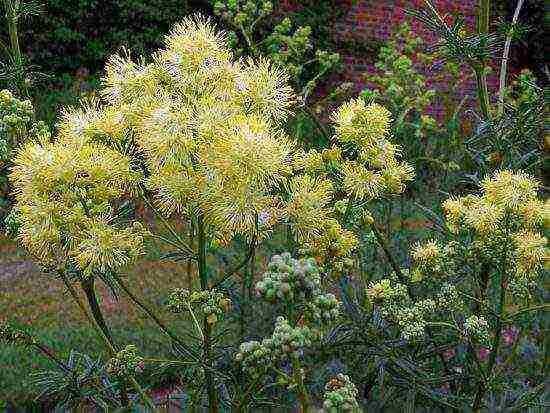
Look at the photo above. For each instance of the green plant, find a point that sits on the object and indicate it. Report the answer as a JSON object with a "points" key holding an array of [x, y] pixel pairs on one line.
{"points": [[200, 138], [491, 140], [17, 125], [403, 69], [256, 32], [15, 69]]}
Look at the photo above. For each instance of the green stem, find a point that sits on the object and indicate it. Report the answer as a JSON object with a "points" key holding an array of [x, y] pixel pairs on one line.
{"points": [[207, 329], [482, 90], [494, 352], [498, 332], [389, 256], [483, 20], [238, 266], [505, 57], [443, 324], [155, 318], [527, 310], [247, 394], [13, 31], [143, 396], [78, 301], [183, 247], [88, 286], [318, 124], [303, 395]]}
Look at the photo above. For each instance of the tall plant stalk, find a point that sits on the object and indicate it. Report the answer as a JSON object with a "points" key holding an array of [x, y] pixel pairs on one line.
{"points": [[505, 57], [482, 90], [483, 19], [207, 329], [498, 331], [11, 8]]}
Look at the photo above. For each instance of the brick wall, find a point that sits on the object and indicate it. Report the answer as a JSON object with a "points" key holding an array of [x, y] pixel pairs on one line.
{"points": [[365, 21]]}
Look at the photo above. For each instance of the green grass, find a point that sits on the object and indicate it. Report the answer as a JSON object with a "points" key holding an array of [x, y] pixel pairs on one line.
{"points": [[39, 304]]}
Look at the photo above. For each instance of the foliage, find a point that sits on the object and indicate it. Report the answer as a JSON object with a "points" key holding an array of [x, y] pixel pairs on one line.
{"points": [[286, 45], [15, 70], [202, 134], [256, 30], [513, 138], [405, 83], [17, 125], [71, 35]]}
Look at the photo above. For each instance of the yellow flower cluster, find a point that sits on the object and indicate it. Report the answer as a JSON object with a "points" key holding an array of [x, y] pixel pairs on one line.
{"points": [[65, 195], [199, 129], [209, 128], [361, 165], [426, 253], [364, 129], [507, 198], [308, 208], [508, 211], [530, 254]]}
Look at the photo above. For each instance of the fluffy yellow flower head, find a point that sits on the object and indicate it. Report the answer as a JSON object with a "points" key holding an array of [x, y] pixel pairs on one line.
{"points": [[531, 253], [308, 206], [375, 170], [63, 190], [200, 129], [506, 196], [509, 189], [426, 253], [360, 181], [208, 126], [361, 124]]}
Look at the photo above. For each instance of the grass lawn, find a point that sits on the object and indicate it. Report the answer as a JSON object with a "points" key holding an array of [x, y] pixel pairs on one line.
{"points": [[40, 304]]}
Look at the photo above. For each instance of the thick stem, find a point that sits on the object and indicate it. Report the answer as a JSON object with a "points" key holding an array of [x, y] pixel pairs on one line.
{"points": [[88, 286], [482, 90], [77, 300], [13, 31], [207, 330], [189, 260]]}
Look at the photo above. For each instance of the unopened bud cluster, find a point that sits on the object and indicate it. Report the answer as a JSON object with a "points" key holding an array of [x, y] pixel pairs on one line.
{"points": [[286, 342], [212, 304], [340, 395], [17, 123], [395, 305], [323, 309], [477, 329], [242, 13], [291, 280], [390, 298], [126, 363]]}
